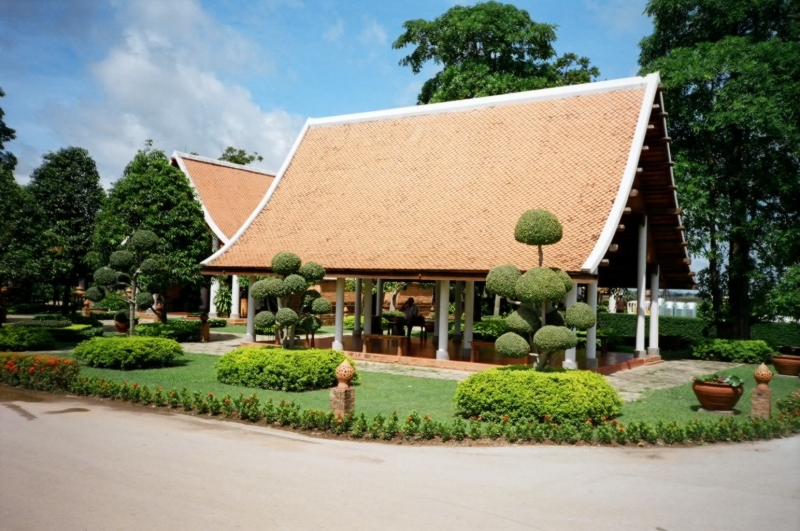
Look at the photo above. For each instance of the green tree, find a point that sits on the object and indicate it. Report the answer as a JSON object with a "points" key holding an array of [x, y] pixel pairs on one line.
{"points": [[732, 78], [7, 134], [153, 195], [486, 49], [239, 156], [67, 189]]}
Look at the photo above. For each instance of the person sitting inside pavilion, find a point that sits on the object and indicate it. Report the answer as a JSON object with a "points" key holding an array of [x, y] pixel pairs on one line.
{"points": [[413, 318]]}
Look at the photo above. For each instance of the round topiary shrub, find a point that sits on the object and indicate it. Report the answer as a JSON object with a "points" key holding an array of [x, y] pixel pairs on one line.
{"points": [[122, 316], [150, 266], [511, 345], [565, 278], [21, 339], [144, 300], [95, 294], [128, 352], [264, 319], [122, 260], [552, 338], [143, 240], [105, 276], [502, 281], [280, 369], [286, 263], [568, 396], [269, 287], [538, 227], [312, 272], [295, 284], [581, 316], [540, 285], [309, 324], [524, 321], [321, 306], [286, 317], [309, 297]]}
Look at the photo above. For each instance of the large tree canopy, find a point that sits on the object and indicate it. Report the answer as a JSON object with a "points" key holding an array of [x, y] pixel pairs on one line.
{"points": [[155, 196], [732, 78], [487, 49]]}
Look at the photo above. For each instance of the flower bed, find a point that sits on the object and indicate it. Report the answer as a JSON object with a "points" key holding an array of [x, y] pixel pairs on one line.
{"points": [[46, 373]]}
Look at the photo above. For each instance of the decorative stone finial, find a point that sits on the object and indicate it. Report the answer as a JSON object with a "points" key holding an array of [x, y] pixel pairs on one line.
{"points": [[344, 374], [762, 375]]}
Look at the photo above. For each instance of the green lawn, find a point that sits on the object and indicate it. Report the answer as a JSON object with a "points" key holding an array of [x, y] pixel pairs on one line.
{"points": [[679, 403]]}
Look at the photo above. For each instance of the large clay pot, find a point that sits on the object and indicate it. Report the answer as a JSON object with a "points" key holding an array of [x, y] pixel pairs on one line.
{"points": [[717, 397], [786, 364], [122, 327]]}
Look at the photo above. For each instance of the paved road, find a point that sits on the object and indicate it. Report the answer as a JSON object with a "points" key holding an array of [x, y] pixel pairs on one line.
{"points": [[80, 464]]}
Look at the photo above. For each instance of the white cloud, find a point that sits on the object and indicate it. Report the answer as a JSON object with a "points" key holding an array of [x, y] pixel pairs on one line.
{"points": [[163, 80], [408, 96], [621, 16], [334, 32], [373, 32]]}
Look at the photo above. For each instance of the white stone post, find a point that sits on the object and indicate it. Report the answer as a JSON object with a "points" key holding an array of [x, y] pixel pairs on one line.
{"points": [[379, 298], [570, 354], [459, 308], [251, 311], [640, 289], [212, 308], [441, 317], [591, 334], [469, 311], [653, 349], [357, 313], [339, 336], [436, 307], [367, 305], [236, 302]]}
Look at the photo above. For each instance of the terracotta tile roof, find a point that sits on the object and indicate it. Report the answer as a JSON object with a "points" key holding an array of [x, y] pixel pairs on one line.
{"points": [[228, 192], [441, 190]]}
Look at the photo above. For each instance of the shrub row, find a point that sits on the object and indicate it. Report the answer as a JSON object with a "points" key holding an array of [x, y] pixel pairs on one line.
{"points": [[76, 333], [733, 350], [280, 369], [20, 339], [350, 322], [179, 330], [125, 353], [212, 323], [46, 373], [74, 318], [53, 322]]}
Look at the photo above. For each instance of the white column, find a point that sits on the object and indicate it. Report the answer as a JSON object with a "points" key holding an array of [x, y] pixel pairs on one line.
{"points": [[251, 311], [436, 308], [469, 311], [212, 308], [459, 307], [357, 313], [640, 289], [339, 336], [204, 299], [367, 305], [570, 354], [236, 302], [379, 299], [591, 334], [441, 317], [653, 350]]}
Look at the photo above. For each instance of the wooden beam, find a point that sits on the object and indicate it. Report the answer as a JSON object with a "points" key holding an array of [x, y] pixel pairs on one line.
{"points": [[664, 212], [604, 262], [660, 141], [645, 148], [687, 261], [653, 166], [684, 244], [656, 106], [634, 192], [613, 248], [621, 228], [667, 228], [626, 211], [656, 188]]}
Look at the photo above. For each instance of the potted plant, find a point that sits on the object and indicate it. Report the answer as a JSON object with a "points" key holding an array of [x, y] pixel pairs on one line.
{"points": [[718, 393], [122, 322], [787, 362]]}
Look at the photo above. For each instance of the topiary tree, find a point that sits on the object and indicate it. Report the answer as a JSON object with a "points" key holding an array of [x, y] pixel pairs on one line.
{"points": [[129, 267], [294, 277], [531, 292]]}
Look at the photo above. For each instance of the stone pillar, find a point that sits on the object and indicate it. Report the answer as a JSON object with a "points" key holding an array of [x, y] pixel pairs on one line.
{"points": [[652, 349], [343, 397], [339, 335], [379, 299], [459, 308], [641, 286], [251, 311], [367, 305], [236, 301], [469, 313], [591, 334], [212, 311], [357, 313], [570, 354], [436, 308], [762, 395], [441, 317]]}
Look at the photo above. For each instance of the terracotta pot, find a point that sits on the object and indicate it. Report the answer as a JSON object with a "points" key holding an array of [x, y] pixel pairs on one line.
{"points": [[717, 397], [786, 364], [122, 327]]}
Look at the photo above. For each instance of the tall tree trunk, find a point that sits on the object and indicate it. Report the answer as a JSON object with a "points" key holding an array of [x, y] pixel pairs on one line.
{"points": [[496, 312], [739, 287], [714, 281]]}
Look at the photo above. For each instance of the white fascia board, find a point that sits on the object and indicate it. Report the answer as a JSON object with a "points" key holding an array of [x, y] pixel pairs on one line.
{"points": [[610, 228], [178, 157], [223, 163], [264, 201], [485, 102]]}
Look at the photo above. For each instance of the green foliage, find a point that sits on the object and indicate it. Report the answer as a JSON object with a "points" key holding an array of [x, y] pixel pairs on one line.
{"points": [[239, 156], [309, 323], [123, 261], [111, 301], [777, 334], [150, 266], [128, 352], [486, 49], [264, 319], [511, 345], [53, 322], [538, 227], [502, 281], [144, 300], [572, 396], [565, 278], [95, 294], [524, 321], [175, 329], [121, 317], [539, 285], [489, 328], [581, 316], [553, 338], [350, 322], [321, 306], [223, 300], [76, 333], [281, 369], [19, 339], [45, 373], [286, 264], [295, 284], [286, 317], [269, 287], [105, 276], [312, 272], [733, 350]]}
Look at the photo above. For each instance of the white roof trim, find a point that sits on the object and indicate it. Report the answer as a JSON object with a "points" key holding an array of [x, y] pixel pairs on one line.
{"points": [[610, 228], [224, 163], [556, 93], [178, 157], [264, 201]]}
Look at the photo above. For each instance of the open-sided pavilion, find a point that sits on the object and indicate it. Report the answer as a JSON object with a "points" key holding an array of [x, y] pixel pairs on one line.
{"points": [[432, 193]]}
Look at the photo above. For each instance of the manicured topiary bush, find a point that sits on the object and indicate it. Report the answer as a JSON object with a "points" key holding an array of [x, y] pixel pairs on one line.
{"points": [[553, 338], [45, 373], [53, 322], [280, 369], [538, 227], [286, 264], [179, 330], [581, 316], [264, 319], [511, 345], [128, 352], [502, 280], [558, 396], [733, 350], [20, 339]]}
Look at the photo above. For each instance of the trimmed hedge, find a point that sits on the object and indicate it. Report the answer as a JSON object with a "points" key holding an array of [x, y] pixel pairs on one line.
{"points": [[350, 322], [175, 329], [490, 328], [46, 373], [280, 369], [128, 352], [733, 350], [527, 394], [38, 323], [19, 339], [76, 333]]}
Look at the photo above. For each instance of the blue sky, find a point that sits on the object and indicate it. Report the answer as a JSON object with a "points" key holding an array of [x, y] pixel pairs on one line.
{"points": [[198, 75]]}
